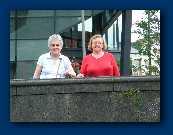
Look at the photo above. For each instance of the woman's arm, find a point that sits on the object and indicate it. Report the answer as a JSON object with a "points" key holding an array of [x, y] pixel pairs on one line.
{"points": [[70, 71], [116, 71], [83, 68], [37, 72]]}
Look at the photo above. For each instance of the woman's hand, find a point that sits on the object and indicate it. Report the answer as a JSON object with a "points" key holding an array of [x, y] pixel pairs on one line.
{"points": [[70, 74], [80, 75]]}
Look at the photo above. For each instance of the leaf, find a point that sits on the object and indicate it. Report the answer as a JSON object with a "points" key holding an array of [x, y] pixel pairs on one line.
{"points": [[149, 30]]}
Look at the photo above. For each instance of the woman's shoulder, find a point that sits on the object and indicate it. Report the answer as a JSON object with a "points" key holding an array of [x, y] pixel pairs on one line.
{"points": [[88, 56], [108, 54], [45, 55], [63, 57]]}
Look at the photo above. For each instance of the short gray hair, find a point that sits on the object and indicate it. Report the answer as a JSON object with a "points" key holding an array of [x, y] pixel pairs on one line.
{"points": [[55, 37]]}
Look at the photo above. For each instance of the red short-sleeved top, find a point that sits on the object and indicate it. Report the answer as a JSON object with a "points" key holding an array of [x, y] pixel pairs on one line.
{"points": [[103, 66]]}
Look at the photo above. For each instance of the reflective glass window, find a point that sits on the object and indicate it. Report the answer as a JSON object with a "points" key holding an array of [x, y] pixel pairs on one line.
{"points": [[34, 28], [31, 49]]}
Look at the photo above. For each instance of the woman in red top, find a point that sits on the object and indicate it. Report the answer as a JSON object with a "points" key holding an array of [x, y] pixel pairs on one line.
{"points": [[99, 62]]}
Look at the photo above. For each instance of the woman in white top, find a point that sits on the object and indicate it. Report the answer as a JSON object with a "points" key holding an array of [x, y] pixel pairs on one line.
{"points": [[53, 64]]}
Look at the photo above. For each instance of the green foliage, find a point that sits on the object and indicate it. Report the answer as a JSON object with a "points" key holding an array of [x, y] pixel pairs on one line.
{"points": [[149, 42], [134, 95]]}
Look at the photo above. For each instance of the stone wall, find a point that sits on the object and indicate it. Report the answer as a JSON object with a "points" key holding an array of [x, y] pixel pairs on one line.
{"points": [[124, 99]]}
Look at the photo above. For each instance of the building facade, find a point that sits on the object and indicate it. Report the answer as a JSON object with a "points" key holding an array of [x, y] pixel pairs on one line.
{"points": [[30, 29]]}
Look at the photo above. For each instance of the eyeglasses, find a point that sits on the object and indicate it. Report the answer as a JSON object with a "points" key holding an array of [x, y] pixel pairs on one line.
{"points": [[57, 45]]}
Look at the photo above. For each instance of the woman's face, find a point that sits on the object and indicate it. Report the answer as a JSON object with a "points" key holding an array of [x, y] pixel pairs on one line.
{"points": [[97, 45], [55, 47]]}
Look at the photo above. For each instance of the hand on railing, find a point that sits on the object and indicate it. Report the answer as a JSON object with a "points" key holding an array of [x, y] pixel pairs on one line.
{"points": [[80, 75], [70, 74]]}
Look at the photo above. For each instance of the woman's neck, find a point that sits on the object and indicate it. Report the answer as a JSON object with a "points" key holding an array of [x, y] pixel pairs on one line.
{"points": [[54, 56], [98, 54]]}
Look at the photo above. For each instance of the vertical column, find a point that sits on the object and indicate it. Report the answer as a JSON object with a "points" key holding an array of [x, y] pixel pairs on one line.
{"points": [[97, 24], [126, 42], [113, 36], [83, 33], [15, 58]]}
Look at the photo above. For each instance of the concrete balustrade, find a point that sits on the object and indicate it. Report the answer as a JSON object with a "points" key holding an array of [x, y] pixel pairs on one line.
{"points": [[122, 99]]}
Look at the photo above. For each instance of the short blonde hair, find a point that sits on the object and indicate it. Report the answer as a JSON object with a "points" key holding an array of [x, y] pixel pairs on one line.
{"points": [[94, 37]]}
